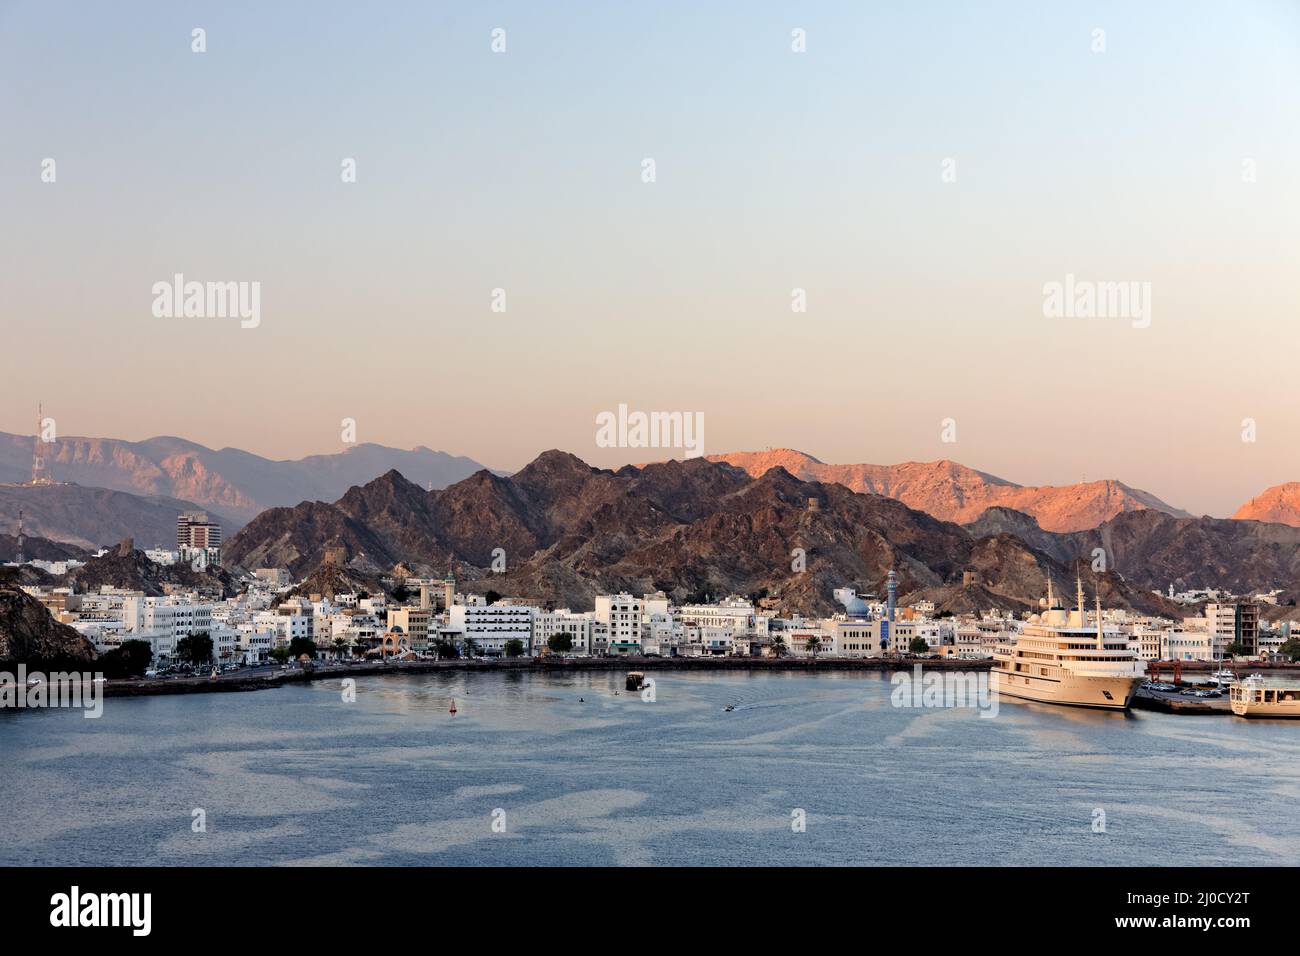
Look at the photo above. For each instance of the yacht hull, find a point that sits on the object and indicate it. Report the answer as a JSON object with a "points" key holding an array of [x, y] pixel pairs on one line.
{"points": [[1068, 690]]}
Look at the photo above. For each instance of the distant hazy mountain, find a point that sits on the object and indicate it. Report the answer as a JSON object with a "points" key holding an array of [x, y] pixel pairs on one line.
{"points": [[235, 483], [95, 517], [952, 492], [1280, 504]]}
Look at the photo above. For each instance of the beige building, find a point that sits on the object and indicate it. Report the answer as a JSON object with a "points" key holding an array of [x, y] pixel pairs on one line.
{"points": [[414, 622]]}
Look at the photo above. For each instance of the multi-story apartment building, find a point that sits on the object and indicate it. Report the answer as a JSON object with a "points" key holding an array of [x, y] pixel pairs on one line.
{"points": [[621, 615], [547, 624], [198, 536], [164, 621], [493, 626], [1236, 623]]}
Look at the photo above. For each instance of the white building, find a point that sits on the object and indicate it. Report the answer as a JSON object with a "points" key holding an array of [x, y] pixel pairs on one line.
{"points": [[493, 626], [547, 624], [621, 615], [735, 614], [164, 621]]}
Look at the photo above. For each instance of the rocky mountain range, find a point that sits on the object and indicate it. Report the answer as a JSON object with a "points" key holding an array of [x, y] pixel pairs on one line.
{"points": [[567, 531], [952, 492], [231, 482], [1152, 550]]}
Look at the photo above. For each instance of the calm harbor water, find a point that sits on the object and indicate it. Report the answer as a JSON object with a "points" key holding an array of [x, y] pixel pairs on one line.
{"points": [[296, 775]]}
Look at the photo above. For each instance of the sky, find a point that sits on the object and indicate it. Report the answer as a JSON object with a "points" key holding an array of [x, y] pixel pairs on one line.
{"points": [[922, 171]]}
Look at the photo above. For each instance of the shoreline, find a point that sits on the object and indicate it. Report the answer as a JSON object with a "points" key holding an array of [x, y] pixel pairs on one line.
{"points": [[236, 682], [239, 681]]}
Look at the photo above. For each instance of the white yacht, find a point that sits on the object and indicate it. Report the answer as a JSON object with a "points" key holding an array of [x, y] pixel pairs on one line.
{"points": [[1223, 677], [1058, 659]]}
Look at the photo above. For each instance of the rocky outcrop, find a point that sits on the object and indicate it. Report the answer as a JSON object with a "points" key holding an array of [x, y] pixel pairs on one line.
{"points": [[135, 571], [29, 635]]}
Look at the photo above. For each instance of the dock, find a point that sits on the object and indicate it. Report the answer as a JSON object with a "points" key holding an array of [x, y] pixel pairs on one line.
{"points": [[1172, 702]]}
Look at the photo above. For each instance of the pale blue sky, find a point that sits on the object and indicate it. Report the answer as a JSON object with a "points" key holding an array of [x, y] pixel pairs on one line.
{"points": [[775, 170]]}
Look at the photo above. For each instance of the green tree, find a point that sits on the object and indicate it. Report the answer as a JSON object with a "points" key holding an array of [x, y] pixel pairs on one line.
{"points": [[469, 647], [280, 654], [400, 594], [492, 597], [1236, 649], [131, 659], [919, 646], [302, 645], [1291, 649], [339, 643], [778, 646], [814, 645], [514, 647], [561, 643], [194, 649]]}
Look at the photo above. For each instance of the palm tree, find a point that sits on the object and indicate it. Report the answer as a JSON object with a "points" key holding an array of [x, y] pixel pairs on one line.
{"points": [[469, 648], [814, 645], [778, 645], [339, 644]]}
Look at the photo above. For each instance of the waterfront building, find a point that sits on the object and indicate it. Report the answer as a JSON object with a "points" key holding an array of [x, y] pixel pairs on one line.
{"points": [[547, 624], [414, 624], [735, 614], [849, 638], [491, 627], [621, 614], [1190, 642]]}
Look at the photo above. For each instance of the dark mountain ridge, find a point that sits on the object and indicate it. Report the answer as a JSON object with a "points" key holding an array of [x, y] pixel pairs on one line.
{"points": [[568, 531]]}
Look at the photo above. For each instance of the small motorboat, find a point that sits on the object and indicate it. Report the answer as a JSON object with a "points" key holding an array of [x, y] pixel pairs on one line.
{"points": [[729, 708], [452, 709]]}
